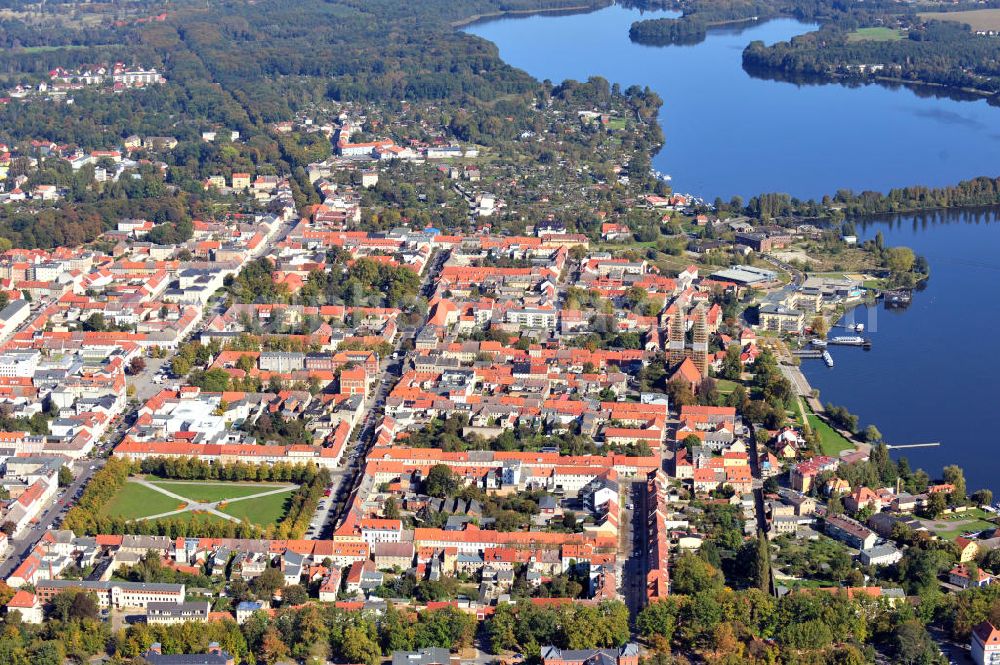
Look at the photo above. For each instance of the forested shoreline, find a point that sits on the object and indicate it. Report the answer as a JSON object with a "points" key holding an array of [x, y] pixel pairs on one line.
{"points": [[981, 192]]}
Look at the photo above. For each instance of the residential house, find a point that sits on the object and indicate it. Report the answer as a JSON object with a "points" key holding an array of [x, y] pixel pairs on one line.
{"points": [[851, 532], [880, 555], [985, 644], [964, 576]]}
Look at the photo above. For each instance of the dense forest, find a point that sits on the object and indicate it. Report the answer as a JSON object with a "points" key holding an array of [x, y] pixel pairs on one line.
{"points": [[941, 52]]}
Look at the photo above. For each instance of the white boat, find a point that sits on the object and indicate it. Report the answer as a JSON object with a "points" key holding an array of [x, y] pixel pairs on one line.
{"points": [[850, 340], [859, 327], [819, 343], [828, 359]]}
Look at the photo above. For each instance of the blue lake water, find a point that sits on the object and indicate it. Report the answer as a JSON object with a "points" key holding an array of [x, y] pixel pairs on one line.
{"points": [[933, 372], [728, 133]]}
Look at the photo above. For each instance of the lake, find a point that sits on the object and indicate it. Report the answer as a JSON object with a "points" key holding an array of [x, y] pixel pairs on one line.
{"points": [[932, 373], [728, 133]]}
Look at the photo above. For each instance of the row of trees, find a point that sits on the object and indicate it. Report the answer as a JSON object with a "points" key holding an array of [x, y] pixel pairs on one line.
{"points": [[311, 633], [193, 468], [977, 192]]}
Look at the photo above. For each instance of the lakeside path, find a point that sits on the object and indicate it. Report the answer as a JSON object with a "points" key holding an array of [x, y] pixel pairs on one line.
{"points": [[801, 385], [804, 390]]}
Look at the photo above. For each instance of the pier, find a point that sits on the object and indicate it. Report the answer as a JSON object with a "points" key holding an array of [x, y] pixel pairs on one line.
{"points": [[808, 353], [900, 446]]}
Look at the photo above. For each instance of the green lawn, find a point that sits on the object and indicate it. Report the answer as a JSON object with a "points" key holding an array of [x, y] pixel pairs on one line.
{"points": [[134, 501], [962, 527], [208, 491], [725, 386], [875, 35], [190, 515], [831, 442], [263, 511]]}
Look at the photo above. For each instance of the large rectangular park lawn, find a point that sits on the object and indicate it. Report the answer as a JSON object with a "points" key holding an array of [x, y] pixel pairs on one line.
{"points": [[145, 498]]}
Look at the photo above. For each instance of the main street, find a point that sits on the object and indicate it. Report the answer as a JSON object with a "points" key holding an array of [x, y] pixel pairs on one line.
{"points": [[346, 478]]}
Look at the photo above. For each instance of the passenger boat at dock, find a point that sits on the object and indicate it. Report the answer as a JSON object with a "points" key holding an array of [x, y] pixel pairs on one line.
{"points": [[818, 343], [851, 340], [828, 359]]}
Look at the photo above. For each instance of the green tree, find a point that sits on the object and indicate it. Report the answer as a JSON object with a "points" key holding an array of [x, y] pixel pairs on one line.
{"points": [[658, 619], [294, 594], [692, 575], [65, 476], [899, 260], [954, 475], [441, 482], [913, 644], [762, 563], [501, 629], [390, 509], [265, 584], [358, 646], [936, 504], [180, 366], [983, 497], [732, 366], [872, 435]]}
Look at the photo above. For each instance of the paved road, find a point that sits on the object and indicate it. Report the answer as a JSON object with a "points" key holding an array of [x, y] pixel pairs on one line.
{"points": [[797, 379], [955, 652], [50, 518], [637, 539], [797, 275]]}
